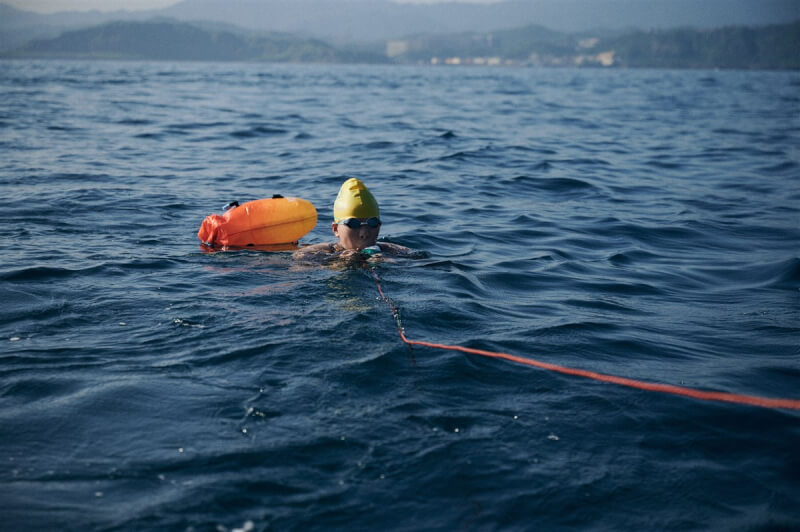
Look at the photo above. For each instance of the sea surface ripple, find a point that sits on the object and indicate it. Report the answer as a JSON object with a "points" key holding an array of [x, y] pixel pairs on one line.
{"points": [[640, 223]]}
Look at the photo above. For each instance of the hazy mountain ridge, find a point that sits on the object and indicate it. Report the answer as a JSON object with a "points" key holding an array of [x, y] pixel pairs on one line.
{"points": [[18, 27], [366, 20], [767, 47], [163, 39], [775, 47], [379, 20]]}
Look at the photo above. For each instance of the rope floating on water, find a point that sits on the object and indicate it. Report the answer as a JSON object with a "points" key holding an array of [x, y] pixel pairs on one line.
{"points": [[752, 400]]}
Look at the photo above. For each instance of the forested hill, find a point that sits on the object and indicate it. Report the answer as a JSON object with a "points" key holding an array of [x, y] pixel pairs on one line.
{"points": [[768, 47], [178, 41]]}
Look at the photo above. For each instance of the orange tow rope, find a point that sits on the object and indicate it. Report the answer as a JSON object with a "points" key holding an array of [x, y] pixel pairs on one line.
{"points": [[765, 402]]}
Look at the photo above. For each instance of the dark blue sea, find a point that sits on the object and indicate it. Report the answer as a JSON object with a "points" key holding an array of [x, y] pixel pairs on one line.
{"points": [[638, 223]]}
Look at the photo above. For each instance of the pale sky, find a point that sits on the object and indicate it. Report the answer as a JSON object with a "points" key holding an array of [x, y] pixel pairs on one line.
{"points": [[53, 6]]}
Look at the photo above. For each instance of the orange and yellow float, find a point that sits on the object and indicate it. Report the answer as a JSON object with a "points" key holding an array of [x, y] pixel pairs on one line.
{"points": [[275, 220]]}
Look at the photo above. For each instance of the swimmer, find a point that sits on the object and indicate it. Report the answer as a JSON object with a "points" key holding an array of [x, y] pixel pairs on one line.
{"points": [[356, 223]]}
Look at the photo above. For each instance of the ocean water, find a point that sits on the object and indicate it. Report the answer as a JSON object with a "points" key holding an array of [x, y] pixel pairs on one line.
{"points": [[643, 223]]}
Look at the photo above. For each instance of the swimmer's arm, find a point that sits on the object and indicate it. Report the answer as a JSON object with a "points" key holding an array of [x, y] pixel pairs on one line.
{"points": [[314, 249], [395, 249]]}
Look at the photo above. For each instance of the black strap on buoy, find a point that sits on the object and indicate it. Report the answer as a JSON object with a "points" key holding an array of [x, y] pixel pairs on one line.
{"points": [[233, 204]]}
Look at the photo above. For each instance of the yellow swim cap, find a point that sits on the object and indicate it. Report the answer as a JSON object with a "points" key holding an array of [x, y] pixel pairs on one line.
{"points": [[354, 201]]}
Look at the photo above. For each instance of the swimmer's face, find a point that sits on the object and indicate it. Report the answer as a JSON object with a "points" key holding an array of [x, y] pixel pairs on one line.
{"points": [[356, 238]]}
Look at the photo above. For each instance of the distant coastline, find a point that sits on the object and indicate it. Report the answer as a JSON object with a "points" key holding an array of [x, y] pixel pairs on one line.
{"points": [[771, 47]]}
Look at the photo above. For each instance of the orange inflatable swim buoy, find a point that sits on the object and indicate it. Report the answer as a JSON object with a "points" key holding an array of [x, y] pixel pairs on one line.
{"points": [[276, 220]]}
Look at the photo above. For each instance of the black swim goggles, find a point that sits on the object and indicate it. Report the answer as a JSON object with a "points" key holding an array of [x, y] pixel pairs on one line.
{"points": [[355, 223]]}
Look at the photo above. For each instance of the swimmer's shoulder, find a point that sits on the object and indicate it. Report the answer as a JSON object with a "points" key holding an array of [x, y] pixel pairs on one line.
{"points": [[326, 249]]}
